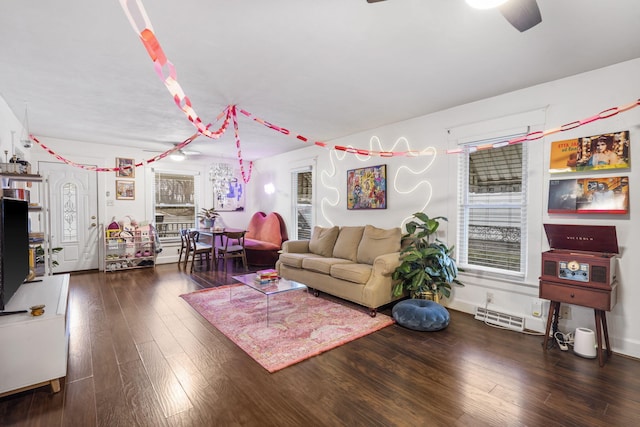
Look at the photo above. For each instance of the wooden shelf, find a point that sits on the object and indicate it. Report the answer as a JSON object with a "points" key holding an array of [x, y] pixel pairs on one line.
{"points": [[22, 177]]}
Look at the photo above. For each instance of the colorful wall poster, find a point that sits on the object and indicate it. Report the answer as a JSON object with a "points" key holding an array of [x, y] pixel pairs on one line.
{"points": [[367, 188], [597, 152], [589, 195]]}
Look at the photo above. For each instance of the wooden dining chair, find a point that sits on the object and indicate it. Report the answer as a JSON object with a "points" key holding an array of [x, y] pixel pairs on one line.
{"points": [[232, 247], [197, 249], [184, 246]]}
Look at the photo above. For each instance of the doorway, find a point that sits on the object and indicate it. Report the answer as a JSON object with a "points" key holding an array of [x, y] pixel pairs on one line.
{"points": [[72, 215]]}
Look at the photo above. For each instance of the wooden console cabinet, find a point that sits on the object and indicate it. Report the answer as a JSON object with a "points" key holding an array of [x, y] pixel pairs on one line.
{"points": [[33, 350], [601, 300]]}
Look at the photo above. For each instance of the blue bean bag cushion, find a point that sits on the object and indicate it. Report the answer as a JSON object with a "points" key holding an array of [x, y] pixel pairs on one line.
{"points": [[420, 315]]}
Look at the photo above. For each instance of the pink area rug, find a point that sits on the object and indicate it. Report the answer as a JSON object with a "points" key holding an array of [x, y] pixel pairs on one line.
{"points": [[300, 325]]}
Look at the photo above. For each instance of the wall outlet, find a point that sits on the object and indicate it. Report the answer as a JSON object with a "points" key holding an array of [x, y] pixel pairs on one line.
{"points": [[536, 309], [489, 297], [565, 312]]}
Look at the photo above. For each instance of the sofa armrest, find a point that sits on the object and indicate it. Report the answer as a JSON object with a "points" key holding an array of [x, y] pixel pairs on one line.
{"points": [[379, 289], [387, 263], [295, 246]]}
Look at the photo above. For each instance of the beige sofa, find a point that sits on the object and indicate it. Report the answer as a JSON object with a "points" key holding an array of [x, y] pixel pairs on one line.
{"points": [[353, 263]]}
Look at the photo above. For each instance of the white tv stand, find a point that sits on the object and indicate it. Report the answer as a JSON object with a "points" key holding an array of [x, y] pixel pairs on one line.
{"points": [[33, 350]]}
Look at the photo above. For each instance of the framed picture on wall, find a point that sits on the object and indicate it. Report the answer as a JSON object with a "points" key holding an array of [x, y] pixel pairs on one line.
{"points": [[367, 188], [596, 152], [589, 195], [229, 197], [126, 168], [125, 190]]}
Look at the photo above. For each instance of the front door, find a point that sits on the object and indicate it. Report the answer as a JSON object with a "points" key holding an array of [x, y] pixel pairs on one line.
{"points": [[72, 201]]}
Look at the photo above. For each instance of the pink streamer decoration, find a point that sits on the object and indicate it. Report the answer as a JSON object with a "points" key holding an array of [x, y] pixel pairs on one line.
{"points": [[142, 26], [605, 114]]}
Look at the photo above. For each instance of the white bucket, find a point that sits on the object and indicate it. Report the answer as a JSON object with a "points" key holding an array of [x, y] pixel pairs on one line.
{"points": [[584, 343]]}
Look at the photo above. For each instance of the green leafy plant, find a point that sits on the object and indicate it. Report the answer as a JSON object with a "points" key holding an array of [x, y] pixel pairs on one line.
{"points": [[39, 251], [207, 214], [426, 263]]}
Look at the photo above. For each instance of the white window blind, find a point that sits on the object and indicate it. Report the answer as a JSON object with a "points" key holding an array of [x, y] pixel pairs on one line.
{"points": [[302, 202], [492, 207], [175, 202]]}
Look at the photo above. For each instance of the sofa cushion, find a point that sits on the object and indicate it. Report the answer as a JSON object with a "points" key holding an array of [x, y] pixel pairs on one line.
{"points": [[293, 259], [322, 240], [347, 243], [322, 264], [356, 273], [260, 245], [378, 241]]}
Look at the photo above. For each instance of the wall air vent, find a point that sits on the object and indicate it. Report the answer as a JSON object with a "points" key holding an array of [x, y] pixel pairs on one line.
{"points": [[497, 318]]}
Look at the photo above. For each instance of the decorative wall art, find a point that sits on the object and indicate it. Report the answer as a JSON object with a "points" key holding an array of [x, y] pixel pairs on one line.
{"points": [[589, 195], [232, 198], [228, 189], [367, 188], [125, 190], [126, 168], [597, 152]]}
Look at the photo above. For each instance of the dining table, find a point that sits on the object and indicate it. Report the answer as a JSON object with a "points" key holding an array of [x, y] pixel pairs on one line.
{"points": [[211, 235]]}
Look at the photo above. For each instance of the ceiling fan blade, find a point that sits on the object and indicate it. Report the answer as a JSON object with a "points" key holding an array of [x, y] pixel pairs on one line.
{"points": [[522, 14], [191, 152], [373, 1]]}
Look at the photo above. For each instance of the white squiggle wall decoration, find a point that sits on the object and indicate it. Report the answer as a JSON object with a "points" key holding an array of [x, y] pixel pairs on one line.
{"points": [[326, 175], [330, 182], [416, 185]]}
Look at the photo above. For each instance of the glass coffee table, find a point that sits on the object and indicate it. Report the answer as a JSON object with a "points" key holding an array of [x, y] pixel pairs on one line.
{"points": [[271, 288]]}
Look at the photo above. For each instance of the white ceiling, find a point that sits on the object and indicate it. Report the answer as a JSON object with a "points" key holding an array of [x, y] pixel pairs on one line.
{"points": [[324, 69]]}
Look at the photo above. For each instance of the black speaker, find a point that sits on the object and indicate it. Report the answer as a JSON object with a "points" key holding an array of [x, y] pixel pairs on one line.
{"points": [[599, 274], [550, 268]]}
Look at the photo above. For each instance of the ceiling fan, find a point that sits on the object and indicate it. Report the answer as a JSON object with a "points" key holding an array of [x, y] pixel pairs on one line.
{"points": [[522, 14], [177, 155]]}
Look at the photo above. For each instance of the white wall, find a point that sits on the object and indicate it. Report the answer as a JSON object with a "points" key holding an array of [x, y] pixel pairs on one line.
{"points": [[429, 183], [10, 132]]}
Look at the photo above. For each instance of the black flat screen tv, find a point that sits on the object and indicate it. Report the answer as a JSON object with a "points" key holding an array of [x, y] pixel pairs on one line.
{"points": [[14, 247]]}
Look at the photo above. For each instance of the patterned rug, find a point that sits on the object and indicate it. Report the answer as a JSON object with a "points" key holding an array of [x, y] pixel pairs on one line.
{"points": [[298, 327]]}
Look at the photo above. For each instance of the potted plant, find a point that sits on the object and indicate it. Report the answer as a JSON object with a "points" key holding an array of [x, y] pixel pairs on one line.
{"points": [[208, 217], [427, 265]]}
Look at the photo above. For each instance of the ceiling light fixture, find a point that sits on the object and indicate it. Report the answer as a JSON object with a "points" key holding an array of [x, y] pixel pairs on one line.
{"points": [[177, 156], [485, 4]]}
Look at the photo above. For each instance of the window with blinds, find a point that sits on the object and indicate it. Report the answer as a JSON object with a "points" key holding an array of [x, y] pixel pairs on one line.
{"points": [[302, 188], [175, 204], [492, 208]]}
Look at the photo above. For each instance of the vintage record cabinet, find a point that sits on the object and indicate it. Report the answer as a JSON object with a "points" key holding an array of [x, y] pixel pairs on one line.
{"points": [[580, 269]]}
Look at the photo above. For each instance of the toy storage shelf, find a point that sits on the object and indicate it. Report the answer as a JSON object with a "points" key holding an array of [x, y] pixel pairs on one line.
{"points": [[133, 250]]}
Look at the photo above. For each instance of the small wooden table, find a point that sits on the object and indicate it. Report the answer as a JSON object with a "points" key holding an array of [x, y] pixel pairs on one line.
{"points": [[601, 300]]}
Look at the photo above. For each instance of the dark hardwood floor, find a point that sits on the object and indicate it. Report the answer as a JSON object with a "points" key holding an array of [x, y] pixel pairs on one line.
{"points": [[140, 356]]}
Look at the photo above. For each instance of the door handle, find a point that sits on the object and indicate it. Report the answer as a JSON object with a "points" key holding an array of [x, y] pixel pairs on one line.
{"points": [[93, 224]]}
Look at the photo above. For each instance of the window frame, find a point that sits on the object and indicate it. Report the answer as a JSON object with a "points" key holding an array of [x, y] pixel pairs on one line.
{"points": [[196, 197], [294, 200], [464, 205]]}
